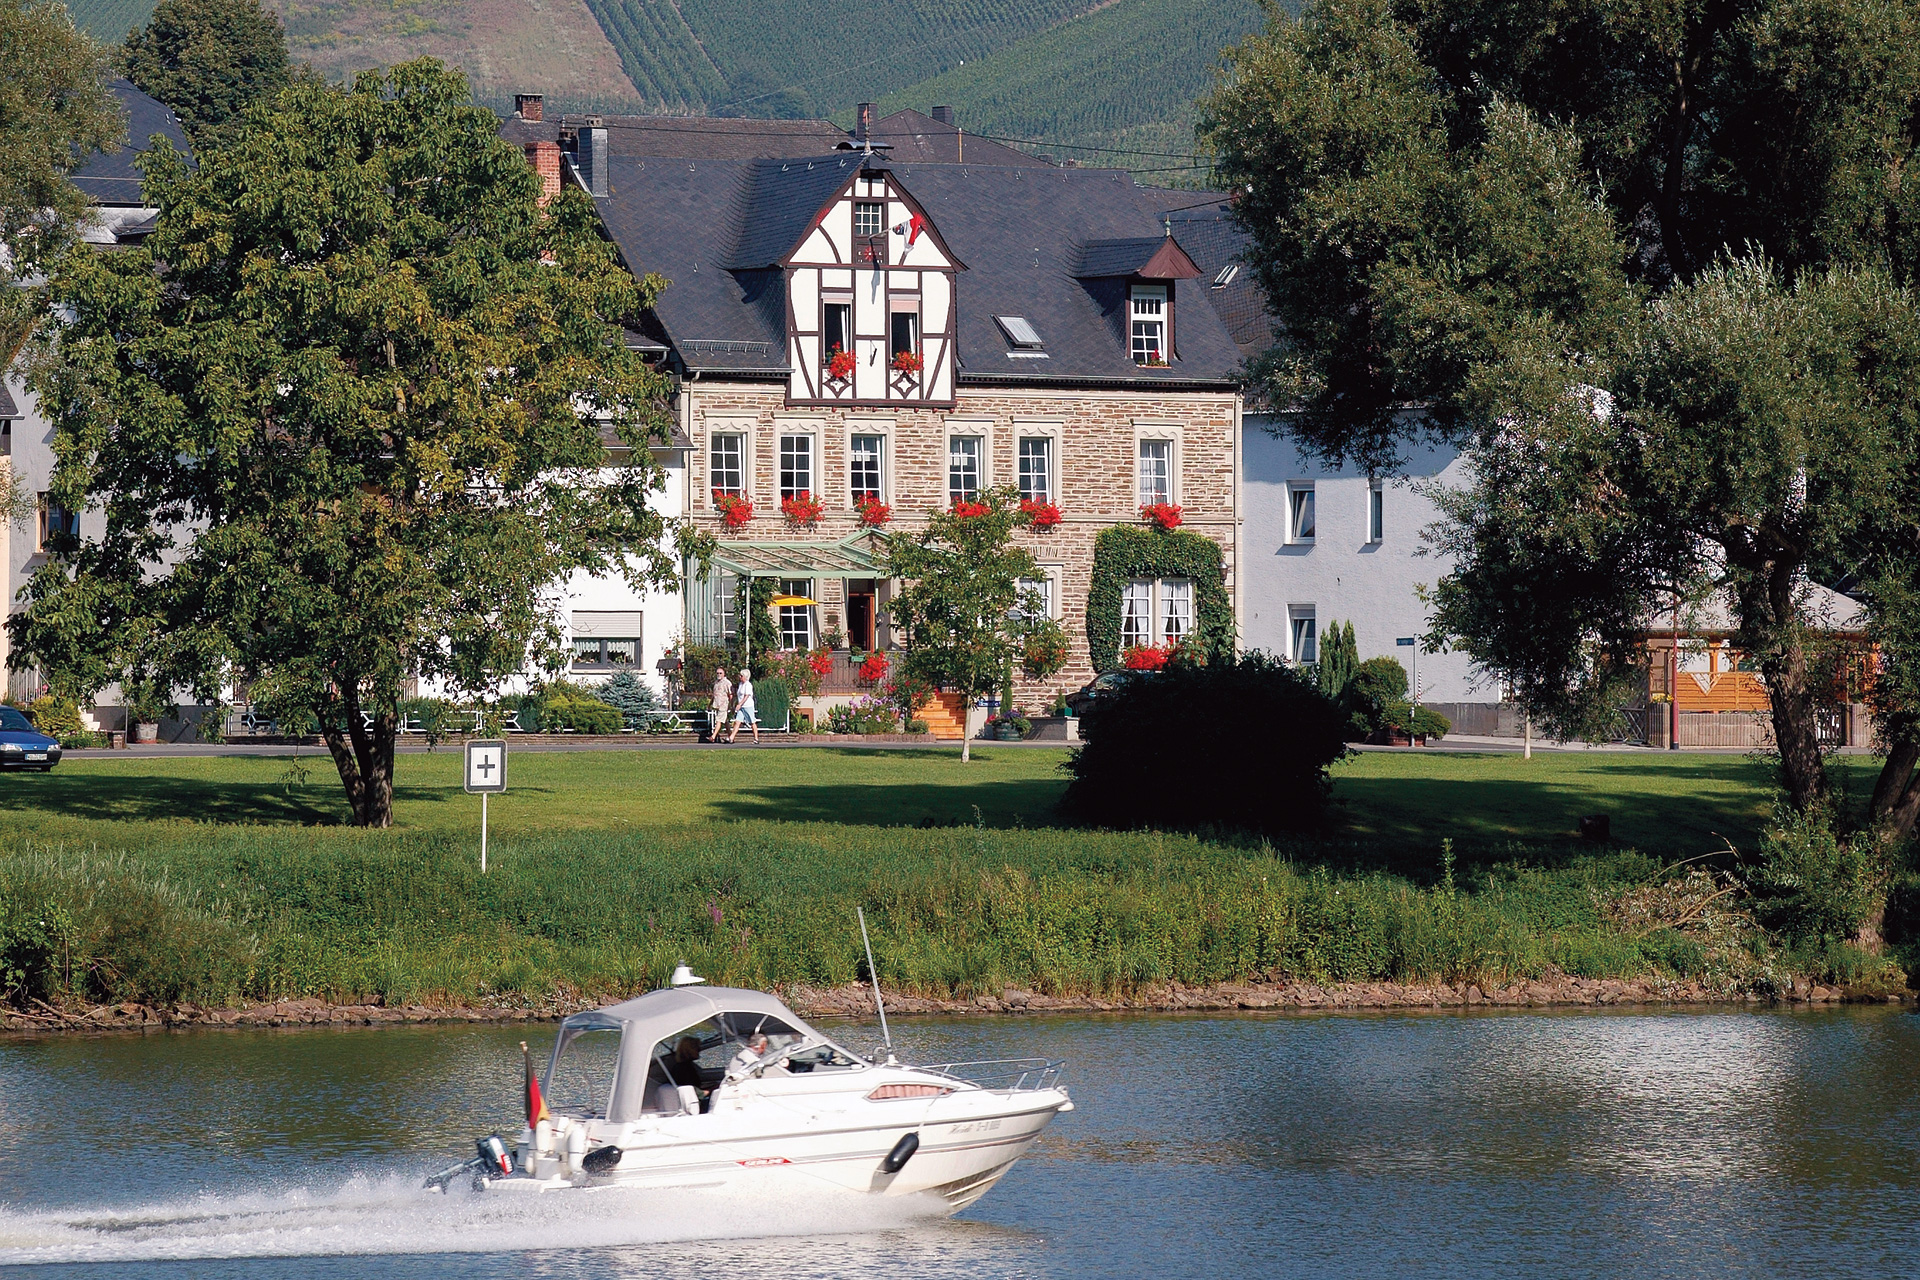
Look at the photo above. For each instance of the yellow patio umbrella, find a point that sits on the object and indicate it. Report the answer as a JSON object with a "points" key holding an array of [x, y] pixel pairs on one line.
{"points": [[793, 602]]}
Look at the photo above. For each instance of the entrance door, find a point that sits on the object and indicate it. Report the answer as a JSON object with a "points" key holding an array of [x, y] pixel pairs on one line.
{"points": [[860, 619]]}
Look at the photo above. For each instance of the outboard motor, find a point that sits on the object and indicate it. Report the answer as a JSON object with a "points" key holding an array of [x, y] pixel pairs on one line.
{"points": [[494, 1161], [494, 1156]]}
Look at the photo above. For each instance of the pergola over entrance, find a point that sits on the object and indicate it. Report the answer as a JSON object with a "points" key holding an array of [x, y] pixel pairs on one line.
{"points": [[851, 557]]}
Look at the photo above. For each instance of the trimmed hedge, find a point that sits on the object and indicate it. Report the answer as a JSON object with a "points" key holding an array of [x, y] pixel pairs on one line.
{"points": [[1125, 552]]}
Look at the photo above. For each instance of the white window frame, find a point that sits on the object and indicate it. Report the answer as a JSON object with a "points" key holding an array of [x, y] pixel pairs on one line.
{"points": [[1140, 452], [882, 456], [802, 614], [1149, 323], [1298, 614], [981, 484], [1048, 582], [1049, 490], [68, 520], [788, 436], [748, 429], [1301, 499], [905, 304], [744, 452], [834, 298], [863, 205], [1157, 596], [1376, 513]]}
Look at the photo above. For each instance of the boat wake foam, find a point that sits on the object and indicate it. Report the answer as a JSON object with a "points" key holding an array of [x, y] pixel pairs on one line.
{"points": [[395, 1215]]}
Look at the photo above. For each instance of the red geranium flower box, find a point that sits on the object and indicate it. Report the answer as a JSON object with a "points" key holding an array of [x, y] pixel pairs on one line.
{"points": [[907, 362], [874, 513], [1041, 515], [735, 511], [874, 669], [802, 510], [966, 510], [1147, 657], [840, 364], [822, 662], [1164, 514]]}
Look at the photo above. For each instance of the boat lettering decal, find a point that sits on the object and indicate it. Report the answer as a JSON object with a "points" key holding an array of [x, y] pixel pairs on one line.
{"points": [[759, 1162], [978, 1126]]}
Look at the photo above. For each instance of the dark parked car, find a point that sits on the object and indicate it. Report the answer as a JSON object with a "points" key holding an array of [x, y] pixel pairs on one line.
{"points": [[24, 747], [1103, 685]]}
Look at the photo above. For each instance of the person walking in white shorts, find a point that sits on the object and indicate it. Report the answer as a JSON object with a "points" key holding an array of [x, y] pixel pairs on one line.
{"points": [[743, 711]]}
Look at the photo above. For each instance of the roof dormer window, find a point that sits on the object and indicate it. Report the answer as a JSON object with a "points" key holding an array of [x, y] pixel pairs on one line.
{"points": [[869, 217], [1151, 343]]}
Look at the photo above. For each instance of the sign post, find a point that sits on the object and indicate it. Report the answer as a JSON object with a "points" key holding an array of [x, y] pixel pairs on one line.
{"points": [[1409, 642], [486, 774]]}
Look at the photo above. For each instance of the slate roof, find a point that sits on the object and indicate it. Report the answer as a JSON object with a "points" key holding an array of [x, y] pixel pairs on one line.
{"points": [[714, 227], [914, 138], [1149, 257], [1214, 241], [110, 177], [8, 409], [689, 137]]}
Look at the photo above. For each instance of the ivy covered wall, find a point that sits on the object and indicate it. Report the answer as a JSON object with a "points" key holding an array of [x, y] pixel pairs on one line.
{"points": [[1125, 552]]}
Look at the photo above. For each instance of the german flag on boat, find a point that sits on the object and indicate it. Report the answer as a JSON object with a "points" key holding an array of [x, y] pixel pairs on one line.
{"points": [[536, 1105]]}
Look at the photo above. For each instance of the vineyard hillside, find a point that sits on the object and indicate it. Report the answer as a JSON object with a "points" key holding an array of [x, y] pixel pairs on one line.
{"points": [[804, 58], [504, 46], [1123, 77]]}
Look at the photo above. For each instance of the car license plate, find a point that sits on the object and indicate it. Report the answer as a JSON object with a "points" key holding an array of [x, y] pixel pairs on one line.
{"points": [[36, 755]]}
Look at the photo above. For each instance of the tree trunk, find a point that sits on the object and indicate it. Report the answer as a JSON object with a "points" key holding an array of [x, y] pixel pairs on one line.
{"points": [[966, 730], [1896, 793], [364, 756], [1767, 607]]}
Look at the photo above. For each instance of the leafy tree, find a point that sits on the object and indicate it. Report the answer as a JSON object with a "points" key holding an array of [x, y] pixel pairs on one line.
{"points": [[960, 606], [1524, 222], [54, 112], [209, 60], [341, 417]]}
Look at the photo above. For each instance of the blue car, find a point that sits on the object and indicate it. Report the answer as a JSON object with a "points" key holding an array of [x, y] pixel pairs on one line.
{"points": [[24, 747]]}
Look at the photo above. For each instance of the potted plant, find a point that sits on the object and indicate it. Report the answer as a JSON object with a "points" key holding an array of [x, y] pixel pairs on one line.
{"points": [[735, 511], [907, 362], [144, 711], [840, 364], [802, 510], [874, 514], [1146, 657], [1166, 515], [873, 668], [1040, 515]]}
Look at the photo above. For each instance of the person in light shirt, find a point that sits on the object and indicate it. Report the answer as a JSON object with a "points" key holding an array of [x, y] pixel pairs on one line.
{"points": [[722, 693], [743, 709], [749, 1056]]}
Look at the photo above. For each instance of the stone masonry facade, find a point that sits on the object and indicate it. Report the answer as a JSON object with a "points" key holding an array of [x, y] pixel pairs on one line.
{"points": [[1096, 435]]}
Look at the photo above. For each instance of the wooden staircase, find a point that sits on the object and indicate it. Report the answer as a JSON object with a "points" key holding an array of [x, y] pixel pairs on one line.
{"points": [[946, 716]]}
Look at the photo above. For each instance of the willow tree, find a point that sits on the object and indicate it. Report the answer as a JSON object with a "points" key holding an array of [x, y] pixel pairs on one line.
{"points": [[338, 423], [1648, 266]]}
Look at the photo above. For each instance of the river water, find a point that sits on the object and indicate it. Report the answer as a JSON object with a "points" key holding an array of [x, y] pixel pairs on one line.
{"points": [[1519, 1144]]}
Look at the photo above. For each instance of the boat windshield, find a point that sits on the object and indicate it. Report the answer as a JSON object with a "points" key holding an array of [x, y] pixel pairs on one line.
{"points": [[578, 1082], [704, 1054]]}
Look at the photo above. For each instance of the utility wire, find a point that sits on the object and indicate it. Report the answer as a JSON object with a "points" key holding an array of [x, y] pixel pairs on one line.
{"points": [[665, 124]]}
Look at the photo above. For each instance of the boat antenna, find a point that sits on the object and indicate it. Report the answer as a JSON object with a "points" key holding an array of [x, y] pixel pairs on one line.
{"points": [[874, 973]]}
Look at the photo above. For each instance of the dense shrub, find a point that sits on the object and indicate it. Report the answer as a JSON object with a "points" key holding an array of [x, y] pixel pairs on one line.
{"points": [[56, 717], [1811, 882], [772, 702], [869, 715], [1236, 744]]}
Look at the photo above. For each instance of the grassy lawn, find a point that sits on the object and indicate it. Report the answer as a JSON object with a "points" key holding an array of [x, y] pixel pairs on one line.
{"points": [[223, 879], [1670, 806]]}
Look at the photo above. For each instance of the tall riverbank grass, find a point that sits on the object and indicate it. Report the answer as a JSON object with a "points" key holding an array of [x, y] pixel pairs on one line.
{"points": [[236, 914], [229, 880]]}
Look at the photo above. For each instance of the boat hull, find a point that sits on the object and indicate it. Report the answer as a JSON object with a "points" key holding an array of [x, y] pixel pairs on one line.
{"points": [[966, 1144]]}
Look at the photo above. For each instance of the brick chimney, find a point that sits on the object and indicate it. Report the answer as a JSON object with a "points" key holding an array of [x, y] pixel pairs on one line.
{"points": [[531, 107], [943, 114], [545, 159], [863, 121]]}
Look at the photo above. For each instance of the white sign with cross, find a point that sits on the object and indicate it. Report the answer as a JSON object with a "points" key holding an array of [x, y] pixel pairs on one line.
{"points": [[486, 774]]}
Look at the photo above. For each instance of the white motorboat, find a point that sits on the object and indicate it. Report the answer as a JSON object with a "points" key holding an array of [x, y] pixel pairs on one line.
{"points": [[694, 1086]]}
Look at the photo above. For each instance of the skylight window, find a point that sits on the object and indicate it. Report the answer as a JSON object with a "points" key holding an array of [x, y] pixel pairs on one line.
{"points": [[1019, 332], [1226, 276]]}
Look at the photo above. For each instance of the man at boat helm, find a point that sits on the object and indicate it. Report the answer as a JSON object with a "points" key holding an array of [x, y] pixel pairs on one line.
{"points": [[749, 1056]]}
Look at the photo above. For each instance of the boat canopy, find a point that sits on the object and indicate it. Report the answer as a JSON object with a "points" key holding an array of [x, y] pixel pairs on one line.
{"points": [[660, 1015]]}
